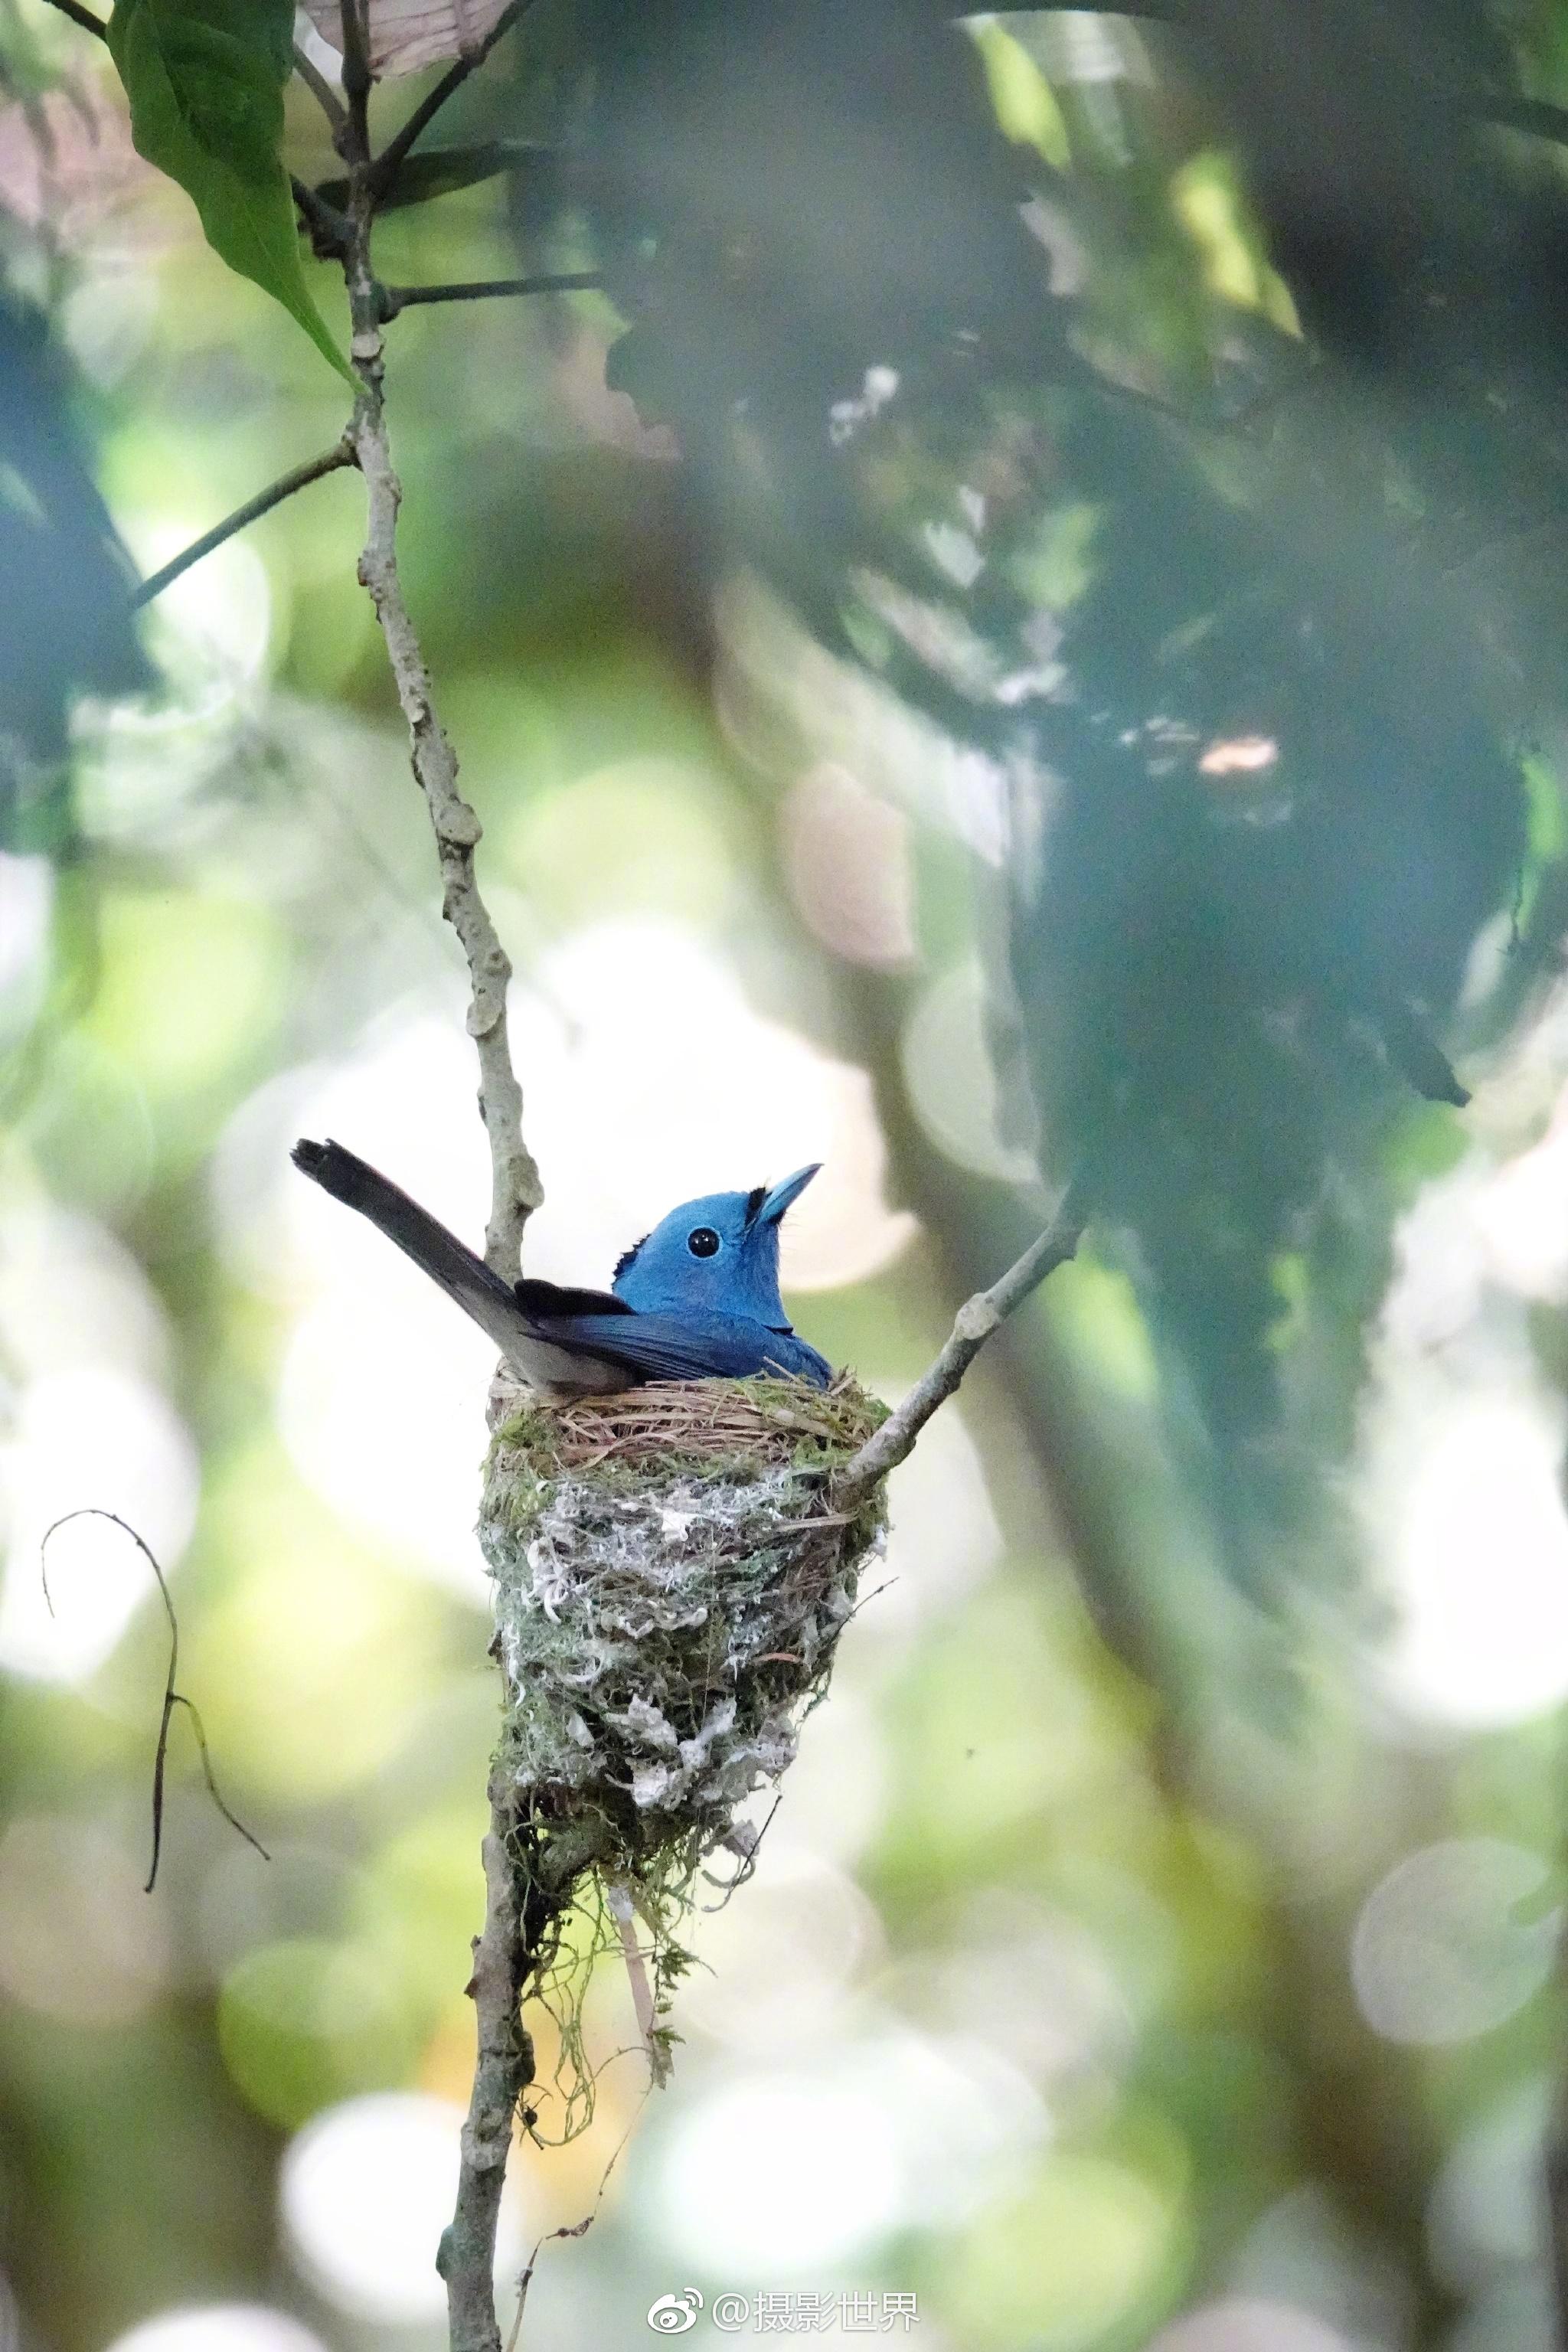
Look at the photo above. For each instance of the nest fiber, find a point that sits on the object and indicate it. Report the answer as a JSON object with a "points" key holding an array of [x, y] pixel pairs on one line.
{"points": [[671, 1582]]}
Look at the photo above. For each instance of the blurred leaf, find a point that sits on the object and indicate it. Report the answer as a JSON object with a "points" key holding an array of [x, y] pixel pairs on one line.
{"points": [[190, 986], [303, 2022], [1026, 104], [1546, 834], [442, 171], [1211, 204], [73, 629], [205, 79]]}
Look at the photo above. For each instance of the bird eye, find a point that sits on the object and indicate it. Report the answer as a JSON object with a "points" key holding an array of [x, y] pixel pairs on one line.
{"points": [[704, 1241]]}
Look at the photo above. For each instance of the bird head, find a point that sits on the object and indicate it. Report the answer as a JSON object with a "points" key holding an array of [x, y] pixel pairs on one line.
{"points": [[716, 1255]]}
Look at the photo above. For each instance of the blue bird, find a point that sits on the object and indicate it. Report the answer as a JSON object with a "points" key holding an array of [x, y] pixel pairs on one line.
{"points": [[698, 1298]]}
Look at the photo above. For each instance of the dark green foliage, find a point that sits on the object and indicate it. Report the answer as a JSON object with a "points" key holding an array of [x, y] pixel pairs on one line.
{"points": [[69, 624], [1362, 130], [1228, 978], [836, 168], [1263, 797]]}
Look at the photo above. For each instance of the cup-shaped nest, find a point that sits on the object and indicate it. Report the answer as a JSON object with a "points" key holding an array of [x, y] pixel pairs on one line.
{"points": [[671, 1577]]}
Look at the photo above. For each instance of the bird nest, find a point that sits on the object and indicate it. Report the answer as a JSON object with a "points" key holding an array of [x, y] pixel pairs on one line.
{"points": [[671, 1579]]}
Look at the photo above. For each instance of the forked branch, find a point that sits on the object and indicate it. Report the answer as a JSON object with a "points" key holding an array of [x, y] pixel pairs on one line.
{"points": [[513, 1943], [519, 1919], [383, 170]]}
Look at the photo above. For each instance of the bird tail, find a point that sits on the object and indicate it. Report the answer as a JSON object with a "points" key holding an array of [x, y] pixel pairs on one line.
{"points": [[465, 1278]]}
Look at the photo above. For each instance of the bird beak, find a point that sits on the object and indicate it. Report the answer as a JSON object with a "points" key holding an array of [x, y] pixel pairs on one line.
{"points": [[782, 1196]]}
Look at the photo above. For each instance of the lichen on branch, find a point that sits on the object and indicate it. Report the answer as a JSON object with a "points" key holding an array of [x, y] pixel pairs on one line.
{"points": [[515, 1187]]}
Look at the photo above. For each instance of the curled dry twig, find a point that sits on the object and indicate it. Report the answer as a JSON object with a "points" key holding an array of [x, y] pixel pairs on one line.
{"points": [[571, 2228], [172, 1697]]}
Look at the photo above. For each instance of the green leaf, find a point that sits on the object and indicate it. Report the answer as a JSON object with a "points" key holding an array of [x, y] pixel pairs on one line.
{"points": [[205, 78]]}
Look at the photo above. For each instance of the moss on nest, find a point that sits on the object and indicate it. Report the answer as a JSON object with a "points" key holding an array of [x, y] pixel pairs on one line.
{"points": [[670, 1584]]}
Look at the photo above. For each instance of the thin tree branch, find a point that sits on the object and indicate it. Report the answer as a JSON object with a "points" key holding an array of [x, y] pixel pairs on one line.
{"points": [[570, 2228], [973, 1324], [330, 461], [483, 290], [82, 16], [504, 1957], [354, 141], [516, 1939], [384, 169], [515, 1189], [1536, 115], [320, 89], [329, 228]]}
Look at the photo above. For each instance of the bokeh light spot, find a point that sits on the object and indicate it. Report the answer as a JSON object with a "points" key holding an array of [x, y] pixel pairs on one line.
{"points": [[951, 1081], [848, 856], [26, 895], [189, 984], [218, 2327], [1489, 2208], [776, 1963], [1083, 2249], [1440, 1951], [77, 1942], [1243, 2324], [366, 2190], [779, 2176], [316, 1652], [645, 834], [1479, 1560], [88, 1437]]}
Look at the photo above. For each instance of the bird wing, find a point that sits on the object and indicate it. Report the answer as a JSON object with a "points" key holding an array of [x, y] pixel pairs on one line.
{"points": [[659, 1346], [677, 1347], [543, 1299]]}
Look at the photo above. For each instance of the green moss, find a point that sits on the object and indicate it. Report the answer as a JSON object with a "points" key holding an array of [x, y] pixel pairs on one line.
{"points": [[670, 1584]]}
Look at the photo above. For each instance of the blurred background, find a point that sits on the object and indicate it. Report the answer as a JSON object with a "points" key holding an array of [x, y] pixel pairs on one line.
{"points": [[1157, 1942]]}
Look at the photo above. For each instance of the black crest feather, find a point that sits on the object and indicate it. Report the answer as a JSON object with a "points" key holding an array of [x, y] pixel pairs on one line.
{"points": [[625, 1259]]}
